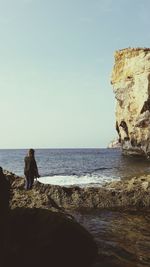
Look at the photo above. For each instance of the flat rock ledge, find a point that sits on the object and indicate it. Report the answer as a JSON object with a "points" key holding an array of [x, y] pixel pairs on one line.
{"points": [[131, 193]]}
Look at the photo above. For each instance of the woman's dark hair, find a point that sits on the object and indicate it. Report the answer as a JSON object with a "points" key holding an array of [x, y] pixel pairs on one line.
{"points": [[31, 152]]}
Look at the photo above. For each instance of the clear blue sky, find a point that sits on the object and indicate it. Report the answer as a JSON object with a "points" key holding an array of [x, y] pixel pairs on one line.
{"points": [[56, 59]]}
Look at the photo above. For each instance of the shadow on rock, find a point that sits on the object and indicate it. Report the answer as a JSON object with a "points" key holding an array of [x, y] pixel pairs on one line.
{"points": [[39, 237]]}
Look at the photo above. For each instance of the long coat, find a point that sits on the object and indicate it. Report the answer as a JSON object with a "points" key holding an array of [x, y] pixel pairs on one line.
{"points": [[30, 169]]}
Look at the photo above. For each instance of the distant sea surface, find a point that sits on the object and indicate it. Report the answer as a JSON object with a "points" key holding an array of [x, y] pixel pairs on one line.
{"points": [[83, 167]]}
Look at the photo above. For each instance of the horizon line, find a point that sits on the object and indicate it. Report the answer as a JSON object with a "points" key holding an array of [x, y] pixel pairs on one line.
{"points": [[53, 148]]}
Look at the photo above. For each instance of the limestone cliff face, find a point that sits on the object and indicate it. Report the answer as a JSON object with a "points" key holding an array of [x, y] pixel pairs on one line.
{"points": [[131, 85]]}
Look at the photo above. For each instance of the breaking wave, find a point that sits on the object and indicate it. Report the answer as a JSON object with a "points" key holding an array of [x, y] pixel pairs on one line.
{"points": [[81, 181]]}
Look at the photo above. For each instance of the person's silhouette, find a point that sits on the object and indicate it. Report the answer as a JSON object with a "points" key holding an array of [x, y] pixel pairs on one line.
{"points": [[30, 169]]}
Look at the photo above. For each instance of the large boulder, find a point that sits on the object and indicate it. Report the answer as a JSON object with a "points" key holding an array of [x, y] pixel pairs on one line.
{"points": [[4, 193], [39, 237], [4, 210], [36, 232], [131, 85]]}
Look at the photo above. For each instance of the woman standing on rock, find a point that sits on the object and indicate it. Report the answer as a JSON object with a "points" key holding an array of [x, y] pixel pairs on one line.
{"points": [[30, 169]]}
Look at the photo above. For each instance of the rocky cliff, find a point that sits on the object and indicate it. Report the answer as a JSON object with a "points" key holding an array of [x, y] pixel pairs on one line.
{"points": [[131, 85], [114, 144]]}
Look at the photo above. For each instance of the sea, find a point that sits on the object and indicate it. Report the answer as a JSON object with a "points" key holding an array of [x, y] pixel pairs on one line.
{"points": [[82, 167], [123, 237]]}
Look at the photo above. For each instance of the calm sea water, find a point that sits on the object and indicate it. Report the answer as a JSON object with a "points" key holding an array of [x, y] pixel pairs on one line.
{"points": [[123, 238], [76, 166]]}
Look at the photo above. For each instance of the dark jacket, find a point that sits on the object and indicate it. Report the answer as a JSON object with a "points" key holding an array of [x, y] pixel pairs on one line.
{"points": [[30, 169]]}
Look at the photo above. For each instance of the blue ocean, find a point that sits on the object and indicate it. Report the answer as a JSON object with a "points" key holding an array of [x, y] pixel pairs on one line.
{"points": [[83, 167]]}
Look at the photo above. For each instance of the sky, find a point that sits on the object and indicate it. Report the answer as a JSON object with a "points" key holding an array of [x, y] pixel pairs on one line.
{"points": [[56, 59]]}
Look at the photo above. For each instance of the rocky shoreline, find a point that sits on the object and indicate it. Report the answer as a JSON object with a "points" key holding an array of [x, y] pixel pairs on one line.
{"points": [[36, 232], [40, 224], [131, 193]]}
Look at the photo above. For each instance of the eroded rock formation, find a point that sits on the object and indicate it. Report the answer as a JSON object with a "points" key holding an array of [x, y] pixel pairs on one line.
{"points": [[128, 193], [131, 85], [114, 144]]}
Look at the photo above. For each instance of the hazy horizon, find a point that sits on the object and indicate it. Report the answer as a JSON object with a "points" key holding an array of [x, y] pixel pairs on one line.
{"points": [[53, 148], [55, 69]]}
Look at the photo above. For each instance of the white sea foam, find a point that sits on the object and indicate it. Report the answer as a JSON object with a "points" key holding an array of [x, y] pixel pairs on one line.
{"points": [[82, 181]]}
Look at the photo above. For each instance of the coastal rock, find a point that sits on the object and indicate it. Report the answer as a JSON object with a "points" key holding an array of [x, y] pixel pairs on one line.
{"points": [[37, 232], [49, 236], [114, 144], [145, 185], [40, 237], [131, 85], [4, 210], [4, 193], [126, 193]]}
